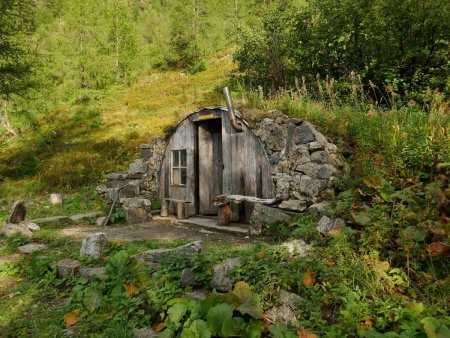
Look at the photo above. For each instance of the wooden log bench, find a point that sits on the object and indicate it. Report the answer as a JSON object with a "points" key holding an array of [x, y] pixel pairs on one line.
{"points": [[223, 203], [182, 208]]}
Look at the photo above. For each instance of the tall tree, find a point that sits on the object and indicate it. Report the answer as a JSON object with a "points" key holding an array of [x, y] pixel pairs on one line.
{"points": [[16, 53]]}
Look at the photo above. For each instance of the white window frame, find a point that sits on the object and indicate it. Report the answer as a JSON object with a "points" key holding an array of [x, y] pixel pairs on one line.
{"points": [[173, 167]]}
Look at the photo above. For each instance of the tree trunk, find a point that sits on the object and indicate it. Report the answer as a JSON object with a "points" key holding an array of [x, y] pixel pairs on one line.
{"points": [[4, 120]]}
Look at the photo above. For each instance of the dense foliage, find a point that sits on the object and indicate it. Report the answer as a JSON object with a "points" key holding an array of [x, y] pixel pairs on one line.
{"points": [[400, 44]]}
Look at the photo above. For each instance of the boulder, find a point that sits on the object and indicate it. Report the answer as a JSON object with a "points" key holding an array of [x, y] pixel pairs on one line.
{"points": [[56, 198], [89, 272], [145, 332], [326, 224], [68, 268], [187, 278], [297, 248], [264, 215], [221, 279], [315, 146], [146, 151], [86, 216], [186, 252], [93, 245], [137, 167], [32, 247], [285, 313], [54, 220], [14, 229], [17, 213], [293, 205]]}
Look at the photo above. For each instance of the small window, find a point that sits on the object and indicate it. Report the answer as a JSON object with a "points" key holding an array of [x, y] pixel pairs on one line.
{"points": [[179, 167]]}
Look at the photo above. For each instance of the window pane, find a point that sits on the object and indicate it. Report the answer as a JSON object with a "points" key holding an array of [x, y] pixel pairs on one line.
{"points": [[183, 158], [176, 176], [175, 158], [183, 176]]}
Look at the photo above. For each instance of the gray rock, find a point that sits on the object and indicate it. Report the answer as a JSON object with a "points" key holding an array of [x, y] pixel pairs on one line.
{"points": [[86, 216], [68, 268], [56, 198], [117, 176], [135, 202], [93, 245], [221, 279], [314, 146], [311, 169], [32, 247], [146, 151], [297, 248], [186, 252], [17, 213], [130, 190], [305, 133], [138, 167], [293, 205], [14, 229], [145, 332], [187, 278], [318, 208], [68, 333], [52, 220], [31, 226], [326, 171], [321, 157], [101, 221], [196, 295], [326, 224], [89, 272], [264, 215], [137, 215], [116, 180], [286, 312], [312, 186]]}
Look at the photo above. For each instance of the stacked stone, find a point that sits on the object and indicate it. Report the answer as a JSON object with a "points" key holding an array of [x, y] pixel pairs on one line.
{"points": [[135, 190], [304, 164]]}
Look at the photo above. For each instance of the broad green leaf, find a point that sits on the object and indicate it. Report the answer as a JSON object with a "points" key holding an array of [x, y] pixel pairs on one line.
{"points": [[167, 333], [217, 315], [92, 298], [251, 307], [242, 291], [198, 329], [254, 329], [416, 307], [362, 219], [281, 331], [176, 312], [232, 327], [435, 328], [413, 233]]}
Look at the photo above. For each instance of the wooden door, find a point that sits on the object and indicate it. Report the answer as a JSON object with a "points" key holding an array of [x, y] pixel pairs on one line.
{"points": [[210, 165]]}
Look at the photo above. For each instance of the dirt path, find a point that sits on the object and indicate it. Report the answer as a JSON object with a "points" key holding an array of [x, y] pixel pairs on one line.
{"points": [[157, 230]]}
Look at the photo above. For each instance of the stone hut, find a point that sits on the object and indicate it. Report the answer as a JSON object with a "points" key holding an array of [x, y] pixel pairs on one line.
{"points": [[281, 162]]}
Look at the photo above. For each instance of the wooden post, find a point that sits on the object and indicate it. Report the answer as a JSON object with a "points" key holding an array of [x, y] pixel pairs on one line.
{"points": [[181, 209], [164, 208], [224, 215]]}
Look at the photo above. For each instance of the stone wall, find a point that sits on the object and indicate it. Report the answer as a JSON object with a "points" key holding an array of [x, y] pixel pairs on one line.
{"points": [[136, 189], [304, 164]]}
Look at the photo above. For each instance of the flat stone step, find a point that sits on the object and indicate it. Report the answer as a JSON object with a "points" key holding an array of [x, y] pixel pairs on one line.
{"points": [[211, 224], [87, 215], [51, 220]]}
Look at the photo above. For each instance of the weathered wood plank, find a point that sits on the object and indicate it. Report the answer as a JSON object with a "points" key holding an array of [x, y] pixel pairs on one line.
{"points": [[224, 199]]}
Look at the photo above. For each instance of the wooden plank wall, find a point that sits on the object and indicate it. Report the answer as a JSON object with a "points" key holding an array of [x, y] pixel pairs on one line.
{"points": [[183, 138]]}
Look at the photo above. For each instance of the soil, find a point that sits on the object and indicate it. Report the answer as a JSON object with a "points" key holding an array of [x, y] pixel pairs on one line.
{"points": [[157, 230]]}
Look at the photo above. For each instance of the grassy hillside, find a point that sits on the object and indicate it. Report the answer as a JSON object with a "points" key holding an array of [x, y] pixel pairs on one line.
{"points": [[99, 132]]}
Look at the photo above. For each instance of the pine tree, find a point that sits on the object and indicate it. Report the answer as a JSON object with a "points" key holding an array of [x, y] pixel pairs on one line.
{"points": [[17, 56]]}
